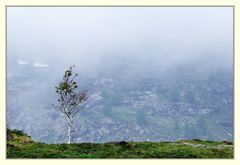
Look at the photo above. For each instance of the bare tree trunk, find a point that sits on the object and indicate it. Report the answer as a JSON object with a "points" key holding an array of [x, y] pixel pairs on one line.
{"points": [[70, 123]]}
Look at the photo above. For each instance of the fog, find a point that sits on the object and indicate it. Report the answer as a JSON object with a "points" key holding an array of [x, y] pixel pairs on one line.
{"points": [[57, 37], [42, 42]]}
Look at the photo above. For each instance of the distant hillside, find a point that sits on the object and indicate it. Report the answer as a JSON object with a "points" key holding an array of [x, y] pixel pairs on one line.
{"points": [[20, 145], [184, 102]]}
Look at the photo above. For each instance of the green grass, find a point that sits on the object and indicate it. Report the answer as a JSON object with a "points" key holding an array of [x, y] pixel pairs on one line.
{"points": [[19, 145]]}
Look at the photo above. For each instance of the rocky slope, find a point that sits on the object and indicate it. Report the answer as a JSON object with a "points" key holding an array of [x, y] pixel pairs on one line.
{"points": [[182, 102]]}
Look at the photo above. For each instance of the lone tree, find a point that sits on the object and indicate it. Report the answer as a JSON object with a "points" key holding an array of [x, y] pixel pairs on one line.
{"points": [[69, 100]]}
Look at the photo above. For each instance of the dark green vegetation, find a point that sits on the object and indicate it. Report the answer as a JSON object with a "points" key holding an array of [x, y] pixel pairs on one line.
{"points": [[20, 145]]}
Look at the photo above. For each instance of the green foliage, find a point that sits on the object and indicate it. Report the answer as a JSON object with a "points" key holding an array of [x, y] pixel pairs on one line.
{"points": [[69, 100], [17, 132], [68, 97], [195, 148], [17, 139]]}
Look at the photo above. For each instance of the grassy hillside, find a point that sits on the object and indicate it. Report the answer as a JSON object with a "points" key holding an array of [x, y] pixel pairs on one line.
{"points": [[20, 145]]}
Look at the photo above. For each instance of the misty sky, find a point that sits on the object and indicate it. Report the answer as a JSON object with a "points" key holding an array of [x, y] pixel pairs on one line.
{"points": [[60, 36], [42, 42]]}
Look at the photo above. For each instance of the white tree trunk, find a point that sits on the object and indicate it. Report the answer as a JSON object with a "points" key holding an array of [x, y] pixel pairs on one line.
{"points": [[70, 123]]}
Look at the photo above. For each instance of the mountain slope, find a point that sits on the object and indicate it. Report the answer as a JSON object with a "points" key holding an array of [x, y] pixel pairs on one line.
{"points": [[127, 104]]}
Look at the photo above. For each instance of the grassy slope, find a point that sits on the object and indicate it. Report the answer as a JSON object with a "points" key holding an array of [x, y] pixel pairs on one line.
{"points": [[19, 145]]}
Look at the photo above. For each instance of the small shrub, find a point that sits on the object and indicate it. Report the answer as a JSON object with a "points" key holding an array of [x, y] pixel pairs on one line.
{"points": [[227, 142], [197, 140], [17, 132], [123, 143]]}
